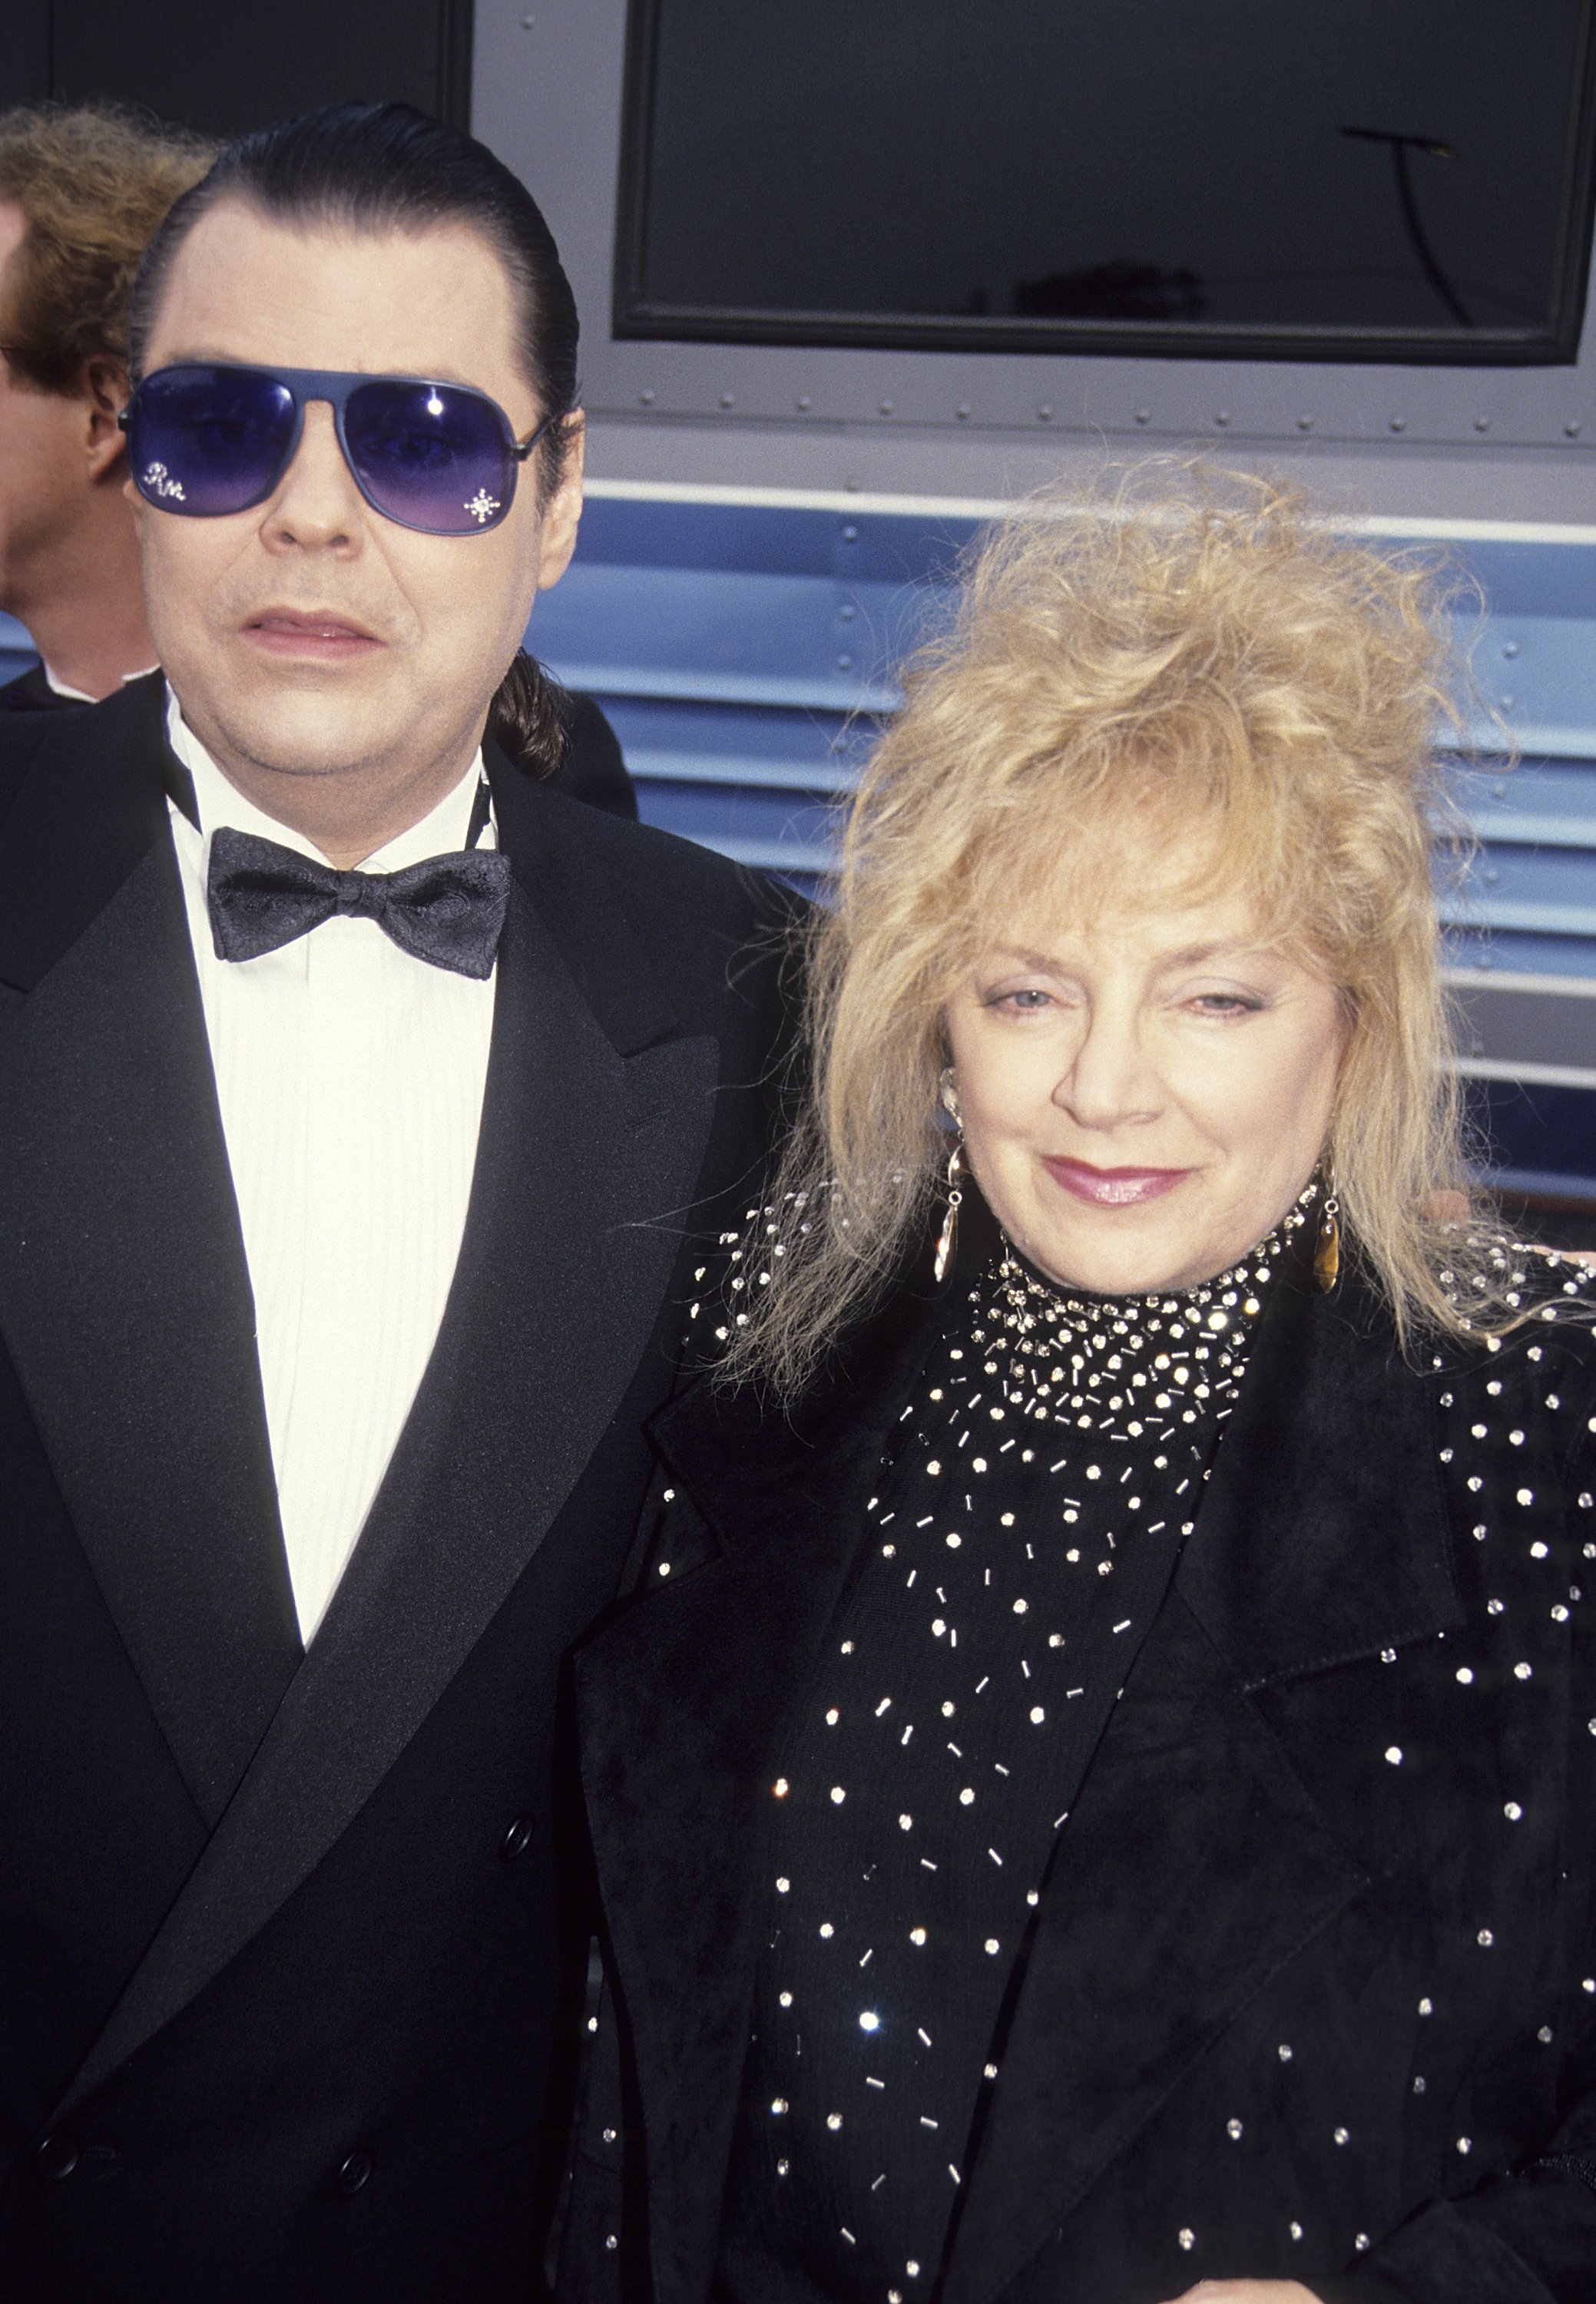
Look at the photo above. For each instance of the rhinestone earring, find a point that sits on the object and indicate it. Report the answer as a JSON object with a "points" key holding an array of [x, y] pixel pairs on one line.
{"points": [[947, 1239], [1326, 1247]]}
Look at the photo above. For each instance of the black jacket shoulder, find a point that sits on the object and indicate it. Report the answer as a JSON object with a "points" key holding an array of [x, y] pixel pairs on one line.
{"points": [[21, 736], [620, 891]]}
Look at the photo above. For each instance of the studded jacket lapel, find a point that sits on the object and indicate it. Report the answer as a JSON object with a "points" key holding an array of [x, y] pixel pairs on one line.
{"points": [[125, 1296], [1321, 1538], [1324, 1534], [588, 1153], [1193, 1841]]}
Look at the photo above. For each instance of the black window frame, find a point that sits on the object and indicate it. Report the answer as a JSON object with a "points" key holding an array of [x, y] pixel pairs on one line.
{"points": [[635, 318]]}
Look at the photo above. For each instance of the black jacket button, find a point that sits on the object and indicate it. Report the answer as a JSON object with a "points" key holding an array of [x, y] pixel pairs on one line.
{"points": [[517, 1839], [355, 2173], [56, 2158]]}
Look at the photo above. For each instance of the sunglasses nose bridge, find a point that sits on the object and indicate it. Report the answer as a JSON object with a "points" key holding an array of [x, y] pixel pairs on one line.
{"points": [[317, 459]]}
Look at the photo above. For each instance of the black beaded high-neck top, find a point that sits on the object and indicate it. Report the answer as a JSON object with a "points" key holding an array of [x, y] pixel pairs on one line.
{"points": [[1028, 1518]]}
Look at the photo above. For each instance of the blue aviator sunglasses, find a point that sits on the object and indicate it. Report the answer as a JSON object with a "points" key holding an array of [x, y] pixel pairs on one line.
{"points": [[207, 441]]}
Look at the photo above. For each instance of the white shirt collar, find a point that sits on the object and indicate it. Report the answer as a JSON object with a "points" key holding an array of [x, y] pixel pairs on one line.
{"points": [[440, 833], [80, 695]]}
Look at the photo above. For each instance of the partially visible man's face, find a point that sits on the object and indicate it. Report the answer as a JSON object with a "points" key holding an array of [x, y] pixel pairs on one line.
{"points": [[311, 635], [43, 458]]}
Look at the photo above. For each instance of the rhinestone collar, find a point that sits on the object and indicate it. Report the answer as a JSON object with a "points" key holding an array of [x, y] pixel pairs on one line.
{"points": [[1155, 1366]]}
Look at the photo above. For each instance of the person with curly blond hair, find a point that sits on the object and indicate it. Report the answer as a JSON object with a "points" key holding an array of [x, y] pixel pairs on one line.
{"points": [[82, 188], [1091, 1788]]}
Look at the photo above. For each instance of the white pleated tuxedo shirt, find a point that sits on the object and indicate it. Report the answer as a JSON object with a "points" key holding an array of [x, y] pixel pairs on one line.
{"points": [[350, 1079]]}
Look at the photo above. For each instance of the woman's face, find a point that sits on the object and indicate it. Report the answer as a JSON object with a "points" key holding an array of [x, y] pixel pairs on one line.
{"points": [[1144, 1096]]}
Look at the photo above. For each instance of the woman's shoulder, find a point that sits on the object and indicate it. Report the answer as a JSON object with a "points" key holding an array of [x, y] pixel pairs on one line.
{"points": [[1538, 1370], [1544, 1305]]}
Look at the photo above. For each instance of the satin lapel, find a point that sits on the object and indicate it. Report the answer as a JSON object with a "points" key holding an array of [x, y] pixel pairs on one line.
{"points": [[1321, 1538], [681, 1701], [567, 1253], [125, 1295]]}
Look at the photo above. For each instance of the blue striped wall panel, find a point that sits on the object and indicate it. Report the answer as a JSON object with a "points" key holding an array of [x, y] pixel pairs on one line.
{"points": [[16, 649]]}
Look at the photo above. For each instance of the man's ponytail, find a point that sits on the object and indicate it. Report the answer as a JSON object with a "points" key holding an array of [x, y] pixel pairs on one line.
{"points": [[530, 715]]}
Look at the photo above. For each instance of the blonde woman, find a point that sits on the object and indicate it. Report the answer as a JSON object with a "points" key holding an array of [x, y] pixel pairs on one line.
{"points": [[1094, 1791]]}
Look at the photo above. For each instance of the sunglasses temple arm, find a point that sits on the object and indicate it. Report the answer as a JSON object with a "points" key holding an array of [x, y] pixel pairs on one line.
{"points": [[522, 449]]}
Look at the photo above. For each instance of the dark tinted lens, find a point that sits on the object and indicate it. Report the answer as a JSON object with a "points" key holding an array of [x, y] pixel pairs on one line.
{"points": [[207, 441], [429, 455]]}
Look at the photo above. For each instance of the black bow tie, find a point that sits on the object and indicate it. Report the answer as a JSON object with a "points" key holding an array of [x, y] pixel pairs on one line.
{"points": [[449, 911]]}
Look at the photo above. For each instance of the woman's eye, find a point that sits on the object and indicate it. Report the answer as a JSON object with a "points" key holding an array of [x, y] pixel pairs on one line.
{"points": [[1225, 1004], [1025, 1003]]}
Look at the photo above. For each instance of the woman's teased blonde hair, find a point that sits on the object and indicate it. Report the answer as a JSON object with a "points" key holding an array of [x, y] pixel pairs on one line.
{"points": [[1196, 654]]}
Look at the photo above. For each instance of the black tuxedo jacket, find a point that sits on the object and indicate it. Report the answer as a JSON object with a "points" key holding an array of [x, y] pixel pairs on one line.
{"points": [[1312, 1991], [281, 1937]]}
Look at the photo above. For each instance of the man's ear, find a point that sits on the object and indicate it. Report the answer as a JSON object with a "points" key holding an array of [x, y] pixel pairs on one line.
{"points": [[105, 395], [562, 515]]}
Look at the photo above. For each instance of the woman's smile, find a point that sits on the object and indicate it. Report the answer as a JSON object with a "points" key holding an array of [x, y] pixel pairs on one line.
{"points": [[1112, 1188]]}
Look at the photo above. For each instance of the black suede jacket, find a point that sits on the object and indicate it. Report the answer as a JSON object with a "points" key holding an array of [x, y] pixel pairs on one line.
{"points": [[1312, 1995]]}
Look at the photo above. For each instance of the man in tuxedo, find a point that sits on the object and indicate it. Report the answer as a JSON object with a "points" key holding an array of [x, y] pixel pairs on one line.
{"points": [[359, 1100]]}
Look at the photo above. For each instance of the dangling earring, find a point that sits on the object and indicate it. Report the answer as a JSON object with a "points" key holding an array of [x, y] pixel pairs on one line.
{"points": [[1326, 1247], [947, 1239]]}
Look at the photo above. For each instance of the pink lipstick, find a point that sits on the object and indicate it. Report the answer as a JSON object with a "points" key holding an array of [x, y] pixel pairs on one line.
{"points": [[1114, 1187]]}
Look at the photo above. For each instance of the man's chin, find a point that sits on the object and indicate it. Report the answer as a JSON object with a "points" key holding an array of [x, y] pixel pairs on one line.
{"points": [[300, 728], [307, 745]]}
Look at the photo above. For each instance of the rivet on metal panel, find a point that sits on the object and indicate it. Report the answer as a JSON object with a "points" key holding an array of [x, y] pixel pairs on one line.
{"points": [[728, 400], [1144, 416], [845, 664], [1222, 416], [850, 535], [1044, 414], [1508, 702], [887, 408], [1304, 424], [963, 409], [1399, 424], [803, 401], [1509, 647], [647, 398], [847, 612], [1573, 427], [1481, 423]]}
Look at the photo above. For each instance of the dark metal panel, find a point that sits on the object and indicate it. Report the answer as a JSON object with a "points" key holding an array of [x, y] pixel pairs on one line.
{"points": [[228, 70], [25, 53], [832, 161]]}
